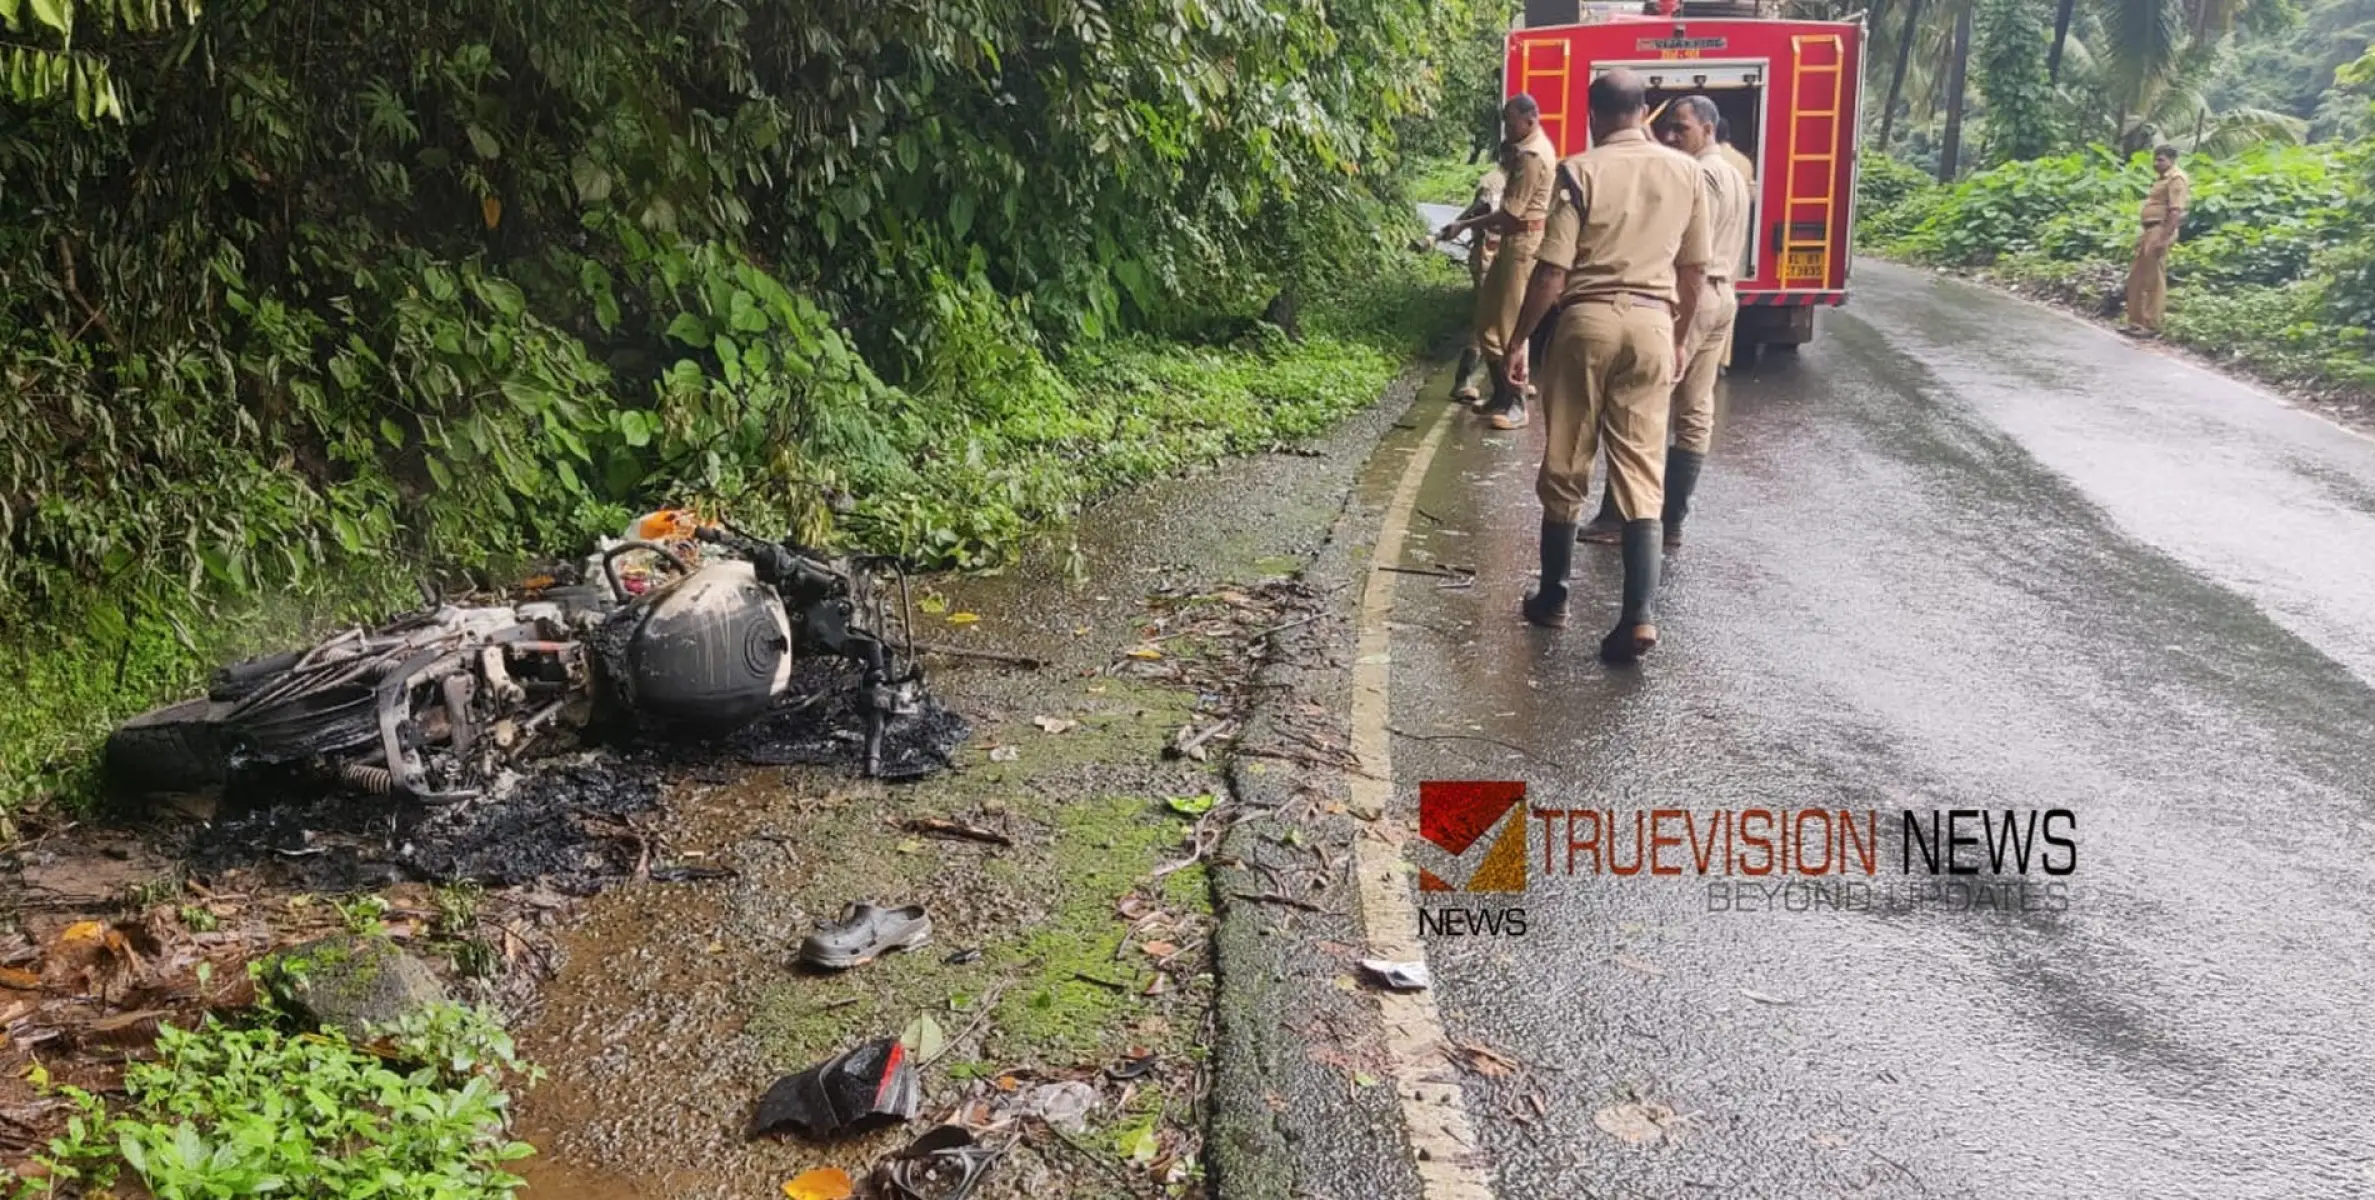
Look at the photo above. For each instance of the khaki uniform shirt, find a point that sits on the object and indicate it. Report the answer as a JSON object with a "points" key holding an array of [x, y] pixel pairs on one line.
{"points": [[1727, 214], [2168, 197], [1533, 168], [1740, 163], [1628, 212]]}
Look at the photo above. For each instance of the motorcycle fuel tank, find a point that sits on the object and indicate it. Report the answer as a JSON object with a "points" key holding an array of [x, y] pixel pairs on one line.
{"points": [[711, 651]]}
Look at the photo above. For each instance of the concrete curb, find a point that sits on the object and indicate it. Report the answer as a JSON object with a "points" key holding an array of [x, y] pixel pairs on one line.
{"points": [[1297, 1106]]}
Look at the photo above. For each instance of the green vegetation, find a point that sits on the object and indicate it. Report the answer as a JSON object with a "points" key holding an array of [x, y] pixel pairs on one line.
{"points": [[227, 1111], [315, 301], [2038, 78], [2273, 266], [1448, 181]]}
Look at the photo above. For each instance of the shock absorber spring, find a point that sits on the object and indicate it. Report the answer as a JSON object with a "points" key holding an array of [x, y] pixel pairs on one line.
{"points": [[378, 781]]}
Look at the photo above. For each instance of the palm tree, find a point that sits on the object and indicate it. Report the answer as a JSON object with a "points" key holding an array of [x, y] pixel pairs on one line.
{"points": [[1951, 152], [2062, 12]]}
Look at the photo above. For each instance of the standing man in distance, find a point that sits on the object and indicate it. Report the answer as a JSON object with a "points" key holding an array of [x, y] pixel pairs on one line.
{"points": [[1525, 204], [1625, 257], [2164, 212], [1692, 122]]}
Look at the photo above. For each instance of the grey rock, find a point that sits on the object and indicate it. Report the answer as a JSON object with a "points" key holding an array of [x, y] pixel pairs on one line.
{"points": [[347, 982]]}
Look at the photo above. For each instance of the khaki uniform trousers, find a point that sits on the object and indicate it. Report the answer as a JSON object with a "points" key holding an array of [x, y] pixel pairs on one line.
{"points": [[1608, 376], [2148, 281], [1703, 352], [1503, 293]]}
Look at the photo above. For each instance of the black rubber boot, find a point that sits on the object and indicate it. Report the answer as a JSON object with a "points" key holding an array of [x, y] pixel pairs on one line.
{"points": [[1607, 528], [1636, 630], [1682, 475], [1504, 397], [1547, 606], [1467, 385]]}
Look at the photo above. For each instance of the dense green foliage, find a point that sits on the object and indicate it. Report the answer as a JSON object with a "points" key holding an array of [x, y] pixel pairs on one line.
{"points": [[227, 1111], [371, 284], [2291, 69], [2276, 262], [2215, 76], [2023, 120]]}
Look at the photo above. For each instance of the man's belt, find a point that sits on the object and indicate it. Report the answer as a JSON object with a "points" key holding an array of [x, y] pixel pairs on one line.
{"points": [[2151, 221], [1530, 226], [1627, 300]]}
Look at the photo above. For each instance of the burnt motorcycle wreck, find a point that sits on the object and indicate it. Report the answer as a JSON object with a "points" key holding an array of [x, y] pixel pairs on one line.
{"points": [[690, 634]]}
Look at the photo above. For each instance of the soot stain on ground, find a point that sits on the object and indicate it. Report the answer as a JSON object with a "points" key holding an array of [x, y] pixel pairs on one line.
{"points": [[574, 824]]}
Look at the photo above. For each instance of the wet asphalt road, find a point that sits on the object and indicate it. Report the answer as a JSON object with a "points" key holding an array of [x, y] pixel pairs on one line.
{"points": [[1960, 552]]}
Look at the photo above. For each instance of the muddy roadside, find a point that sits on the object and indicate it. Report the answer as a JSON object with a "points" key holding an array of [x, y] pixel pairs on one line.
{"points": [[1154, 700], [1065, 862]]}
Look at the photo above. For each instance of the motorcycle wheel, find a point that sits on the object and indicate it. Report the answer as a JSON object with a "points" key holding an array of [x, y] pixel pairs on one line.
{"points": [[171, 749]]}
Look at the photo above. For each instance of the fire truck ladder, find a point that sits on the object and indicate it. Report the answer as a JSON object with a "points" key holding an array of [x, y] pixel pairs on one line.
{"points": [[1814, 141], [1553, 102]]}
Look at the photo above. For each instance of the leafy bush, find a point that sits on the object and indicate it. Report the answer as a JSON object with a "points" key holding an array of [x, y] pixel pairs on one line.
{"points": [[396, 286], [2253, 218], [1884, 182], [224, 1112]]}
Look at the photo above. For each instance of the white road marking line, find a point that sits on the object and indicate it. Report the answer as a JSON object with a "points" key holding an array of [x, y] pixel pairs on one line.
{"points": [[1449, 1166]]}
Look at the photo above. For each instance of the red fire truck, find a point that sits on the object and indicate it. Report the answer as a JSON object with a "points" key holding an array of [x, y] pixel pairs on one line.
{"points": [[1790, 91]]}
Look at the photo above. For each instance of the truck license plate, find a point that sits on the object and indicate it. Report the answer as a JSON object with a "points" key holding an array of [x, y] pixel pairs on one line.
{"points": [[1803, 264]]}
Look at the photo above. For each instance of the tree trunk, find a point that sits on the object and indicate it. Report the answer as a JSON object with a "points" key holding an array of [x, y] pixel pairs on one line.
{"points": [[2061, 33], [1896, 78], [1950, 152]]}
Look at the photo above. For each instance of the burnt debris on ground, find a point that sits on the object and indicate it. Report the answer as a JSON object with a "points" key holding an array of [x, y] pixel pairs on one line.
{"points": [[570, 825], [573, 824]]}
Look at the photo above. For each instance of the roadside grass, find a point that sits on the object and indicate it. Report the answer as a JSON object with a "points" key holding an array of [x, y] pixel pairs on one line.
{"points": [[1112, 416]]}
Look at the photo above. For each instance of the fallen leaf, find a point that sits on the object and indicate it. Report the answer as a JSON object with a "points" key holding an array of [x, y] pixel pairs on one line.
{"points": [[823, 1183], [1148, 653], [1005, 753], [1159, 949], [911, 846], [1761, 997], [21, 980], [1139, 1144], [1365, 1079], [933, 603], [1055, 724], [923, 1038], [963, 618], [1192, 806], [1007, 1083]]}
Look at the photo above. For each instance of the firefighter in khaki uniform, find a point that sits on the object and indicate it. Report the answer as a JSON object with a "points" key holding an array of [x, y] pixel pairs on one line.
{"points": [[1467, 387], [1625, 256], [2164, 213], [1524, 205], [1691, 126]]}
